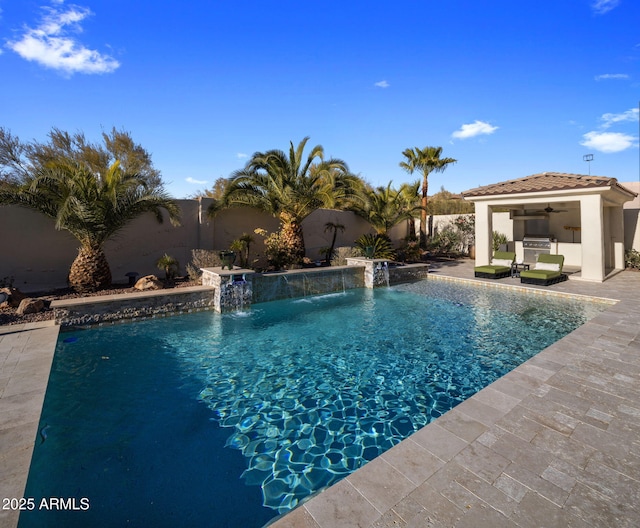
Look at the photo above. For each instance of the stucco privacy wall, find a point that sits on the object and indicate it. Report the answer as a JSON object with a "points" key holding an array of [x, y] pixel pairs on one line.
{"points": [[631, 212], [38, 257]]}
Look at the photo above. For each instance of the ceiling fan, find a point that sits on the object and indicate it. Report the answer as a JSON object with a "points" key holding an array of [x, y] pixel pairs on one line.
{"points": [[549, 209]]}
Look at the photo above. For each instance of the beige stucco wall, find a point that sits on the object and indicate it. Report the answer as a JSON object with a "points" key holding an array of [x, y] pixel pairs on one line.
{"points": [[38, 257], [33, 252], [631, 214]]}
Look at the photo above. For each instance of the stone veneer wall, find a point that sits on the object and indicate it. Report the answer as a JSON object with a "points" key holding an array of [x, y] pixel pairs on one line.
{"points": [[408, 273], [110, 308], [263, 288], [301, 283]]}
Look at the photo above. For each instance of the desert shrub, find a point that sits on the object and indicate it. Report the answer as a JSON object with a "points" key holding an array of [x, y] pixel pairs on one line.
{"points": [[381, 244], [498, 240], [447, 241], [279, 252], [202, 258], [169, 265], [632, 259], [466, 226], [410, 250], [341, 254]]}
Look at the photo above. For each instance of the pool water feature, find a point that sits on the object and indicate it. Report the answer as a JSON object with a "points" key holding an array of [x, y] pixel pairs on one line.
{"points": [[234, 418]]}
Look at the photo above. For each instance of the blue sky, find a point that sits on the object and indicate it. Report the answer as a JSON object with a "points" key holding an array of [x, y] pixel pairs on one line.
{"points": [[507, 88]]}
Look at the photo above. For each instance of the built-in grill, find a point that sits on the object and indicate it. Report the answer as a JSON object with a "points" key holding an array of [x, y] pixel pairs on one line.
{"points": [[533, 245]]}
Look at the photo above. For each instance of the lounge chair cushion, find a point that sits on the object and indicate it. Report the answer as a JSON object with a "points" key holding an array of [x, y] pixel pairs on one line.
{"points": [[494, 270], [548, 270], [547, 266], [539, 274]]}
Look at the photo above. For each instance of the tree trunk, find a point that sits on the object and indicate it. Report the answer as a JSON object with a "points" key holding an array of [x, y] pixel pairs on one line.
{"points": [[90, 270], [332, 247], [423, 213], [293, 239]]}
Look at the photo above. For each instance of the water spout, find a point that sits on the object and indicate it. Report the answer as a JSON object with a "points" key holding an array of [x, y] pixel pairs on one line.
{"points": [[237, 293]]}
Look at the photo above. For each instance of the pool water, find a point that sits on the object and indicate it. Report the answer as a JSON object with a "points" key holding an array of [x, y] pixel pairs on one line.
{"points": [[229, 420]]}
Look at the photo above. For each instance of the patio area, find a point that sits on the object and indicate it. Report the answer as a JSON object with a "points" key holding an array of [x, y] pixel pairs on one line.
{"points": [[553, 443]]}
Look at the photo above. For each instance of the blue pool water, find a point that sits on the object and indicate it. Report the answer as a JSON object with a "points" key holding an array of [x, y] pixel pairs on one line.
{"points": [[228, 420]]}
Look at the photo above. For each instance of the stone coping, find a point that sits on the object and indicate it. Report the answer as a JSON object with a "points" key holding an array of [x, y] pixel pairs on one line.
{"points": [[529, 289], [103, 299], [317, 269]]}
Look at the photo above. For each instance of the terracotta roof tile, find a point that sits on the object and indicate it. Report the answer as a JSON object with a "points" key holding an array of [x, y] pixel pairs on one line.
{"points": [[546, 181]]}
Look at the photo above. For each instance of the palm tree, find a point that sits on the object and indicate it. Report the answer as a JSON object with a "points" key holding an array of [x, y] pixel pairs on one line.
{"points": [[427, 160], [385, 207], [334, 227], [290, 188], [92, 207]]}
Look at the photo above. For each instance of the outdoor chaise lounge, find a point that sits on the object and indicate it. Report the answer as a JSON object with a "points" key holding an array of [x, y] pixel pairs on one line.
{"points": [[548, 270], [500, 266]]}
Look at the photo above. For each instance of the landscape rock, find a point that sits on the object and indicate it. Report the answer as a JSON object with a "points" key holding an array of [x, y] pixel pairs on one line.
{"points": [[15, 297], [149, 282], [29, 306]]}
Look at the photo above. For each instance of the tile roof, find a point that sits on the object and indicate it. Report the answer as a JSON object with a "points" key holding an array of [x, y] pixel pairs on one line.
{"points": [[545, 181]]}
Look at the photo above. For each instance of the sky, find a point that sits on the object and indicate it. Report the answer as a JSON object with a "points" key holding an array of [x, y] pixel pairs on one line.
{"points": [[507, 88]]}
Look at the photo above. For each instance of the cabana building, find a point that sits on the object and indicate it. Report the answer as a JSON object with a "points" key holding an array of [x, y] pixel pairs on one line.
{"points": [[578, 216]]}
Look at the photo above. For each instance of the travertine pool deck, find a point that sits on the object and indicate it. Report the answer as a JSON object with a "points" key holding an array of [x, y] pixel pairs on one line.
{"points": [[26, 353], [554, 443]]}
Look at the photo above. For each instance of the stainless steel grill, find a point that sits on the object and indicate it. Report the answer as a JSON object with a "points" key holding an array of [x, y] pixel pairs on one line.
{"points": [[533, 245]]}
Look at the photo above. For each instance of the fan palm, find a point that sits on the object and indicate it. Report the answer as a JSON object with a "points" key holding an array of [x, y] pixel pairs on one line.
{"points": [[92, 207], [290, 187], [426, 160]]}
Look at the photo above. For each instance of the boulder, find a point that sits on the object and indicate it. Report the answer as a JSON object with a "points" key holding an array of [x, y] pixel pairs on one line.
{"points": [[14, 296], [149, 282], [29, 305]]}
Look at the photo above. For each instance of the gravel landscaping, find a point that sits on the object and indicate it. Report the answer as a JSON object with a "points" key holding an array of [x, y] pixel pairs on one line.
{"points": [[8, 315]]}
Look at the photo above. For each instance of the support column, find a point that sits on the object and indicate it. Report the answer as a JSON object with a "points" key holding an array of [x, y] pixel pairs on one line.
{"points": [[484, 234], [616, 218], [592, 233]]}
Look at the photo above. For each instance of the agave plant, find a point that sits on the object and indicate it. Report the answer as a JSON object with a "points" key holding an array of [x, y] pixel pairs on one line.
{"points": [[381, 245]]}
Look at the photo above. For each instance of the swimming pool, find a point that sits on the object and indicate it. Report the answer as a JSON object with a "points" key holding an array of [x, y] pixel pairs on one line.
{"points": [[201, 419]]}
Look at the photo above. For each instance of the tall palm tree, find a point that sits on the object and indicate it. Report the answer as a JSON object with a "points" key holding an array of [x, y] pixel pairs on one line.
{"points": [[92, 207], [385, 207], [290, 187], [426, 160]]}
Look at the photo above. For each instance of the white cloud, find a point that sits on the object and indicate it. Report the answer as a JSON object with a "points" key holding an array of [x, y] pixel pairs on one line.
{"points": [[477, 128], [610, 119], [382, 84], [197, 182], [607, 76], [608, 142], [242, 155], [604, 6], [50, 45]]}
